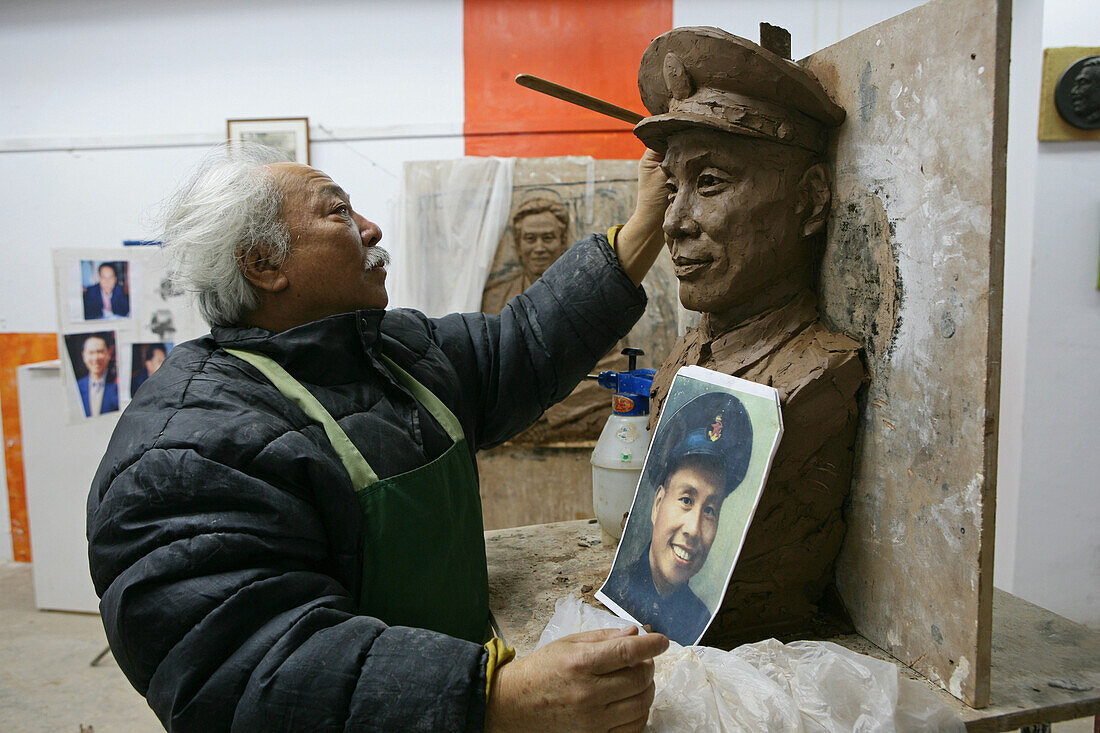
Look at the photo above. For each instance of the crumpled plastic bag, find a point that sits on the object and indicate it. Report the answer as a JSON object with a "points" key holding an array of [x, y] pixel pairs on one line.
{"points": [[768, 686]]}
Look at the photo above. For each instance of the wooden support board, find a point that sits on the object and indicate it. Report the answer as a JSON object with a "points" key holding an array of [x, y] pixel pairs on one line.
{"points": [[913, 267]]}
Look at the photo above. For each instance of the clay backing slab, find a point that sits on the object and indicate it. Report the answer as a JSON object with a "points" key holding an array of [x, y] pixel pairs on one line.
{"points": [[914, 267]]}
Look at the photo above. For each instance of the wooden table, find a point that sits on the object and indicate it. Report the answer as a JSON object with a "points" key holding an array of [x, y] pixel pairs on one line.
{"points": [[1046, 668]]}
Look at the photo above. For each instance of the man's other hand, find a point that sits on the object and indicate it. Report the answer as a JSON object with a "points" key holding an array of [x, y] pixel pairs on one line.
{"points": [[593, 681]]}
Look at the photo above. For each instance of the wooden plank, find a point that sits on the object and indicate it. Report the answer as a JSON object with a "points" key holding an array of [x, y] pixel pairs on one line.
{"points": [[913, 267], [1045, 668]]}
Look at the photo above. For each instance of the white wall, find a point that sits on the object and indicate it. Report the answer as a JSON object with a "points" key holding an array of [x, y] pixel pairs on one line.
{"points": [[1057, 545], [814, 24]]}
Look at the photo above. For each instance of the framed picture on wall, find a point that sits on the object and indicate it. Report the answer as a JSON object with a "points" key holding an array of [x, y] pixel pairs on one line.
{"points": [[287, 134]]}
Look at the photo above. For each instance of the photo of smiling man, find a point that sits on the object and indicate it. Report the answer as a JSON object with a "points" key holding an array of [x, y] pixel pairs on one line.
{"points": [[701, 456]]}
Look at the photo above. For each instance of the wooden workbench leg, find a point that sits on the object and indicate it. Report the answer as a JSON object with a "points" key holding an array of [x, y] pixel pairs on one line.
{"points": [[1037, 728]]}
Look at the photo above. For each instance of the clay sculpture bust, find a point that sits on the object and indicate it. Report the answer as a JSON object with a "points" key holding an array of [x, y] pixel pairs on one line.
{"points": [[540, 229], [744, 132]]}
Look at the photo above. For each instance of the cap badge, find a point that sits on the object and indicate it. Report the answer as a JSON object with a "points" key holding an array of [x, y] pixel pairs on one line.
{"points": [[715, 431], [677, 78]]}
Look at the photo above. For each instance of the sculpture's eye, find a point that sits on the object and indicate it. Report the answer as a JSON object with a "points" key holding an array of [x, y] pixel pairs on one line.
{"points": [[670, 186], [709, 183]]}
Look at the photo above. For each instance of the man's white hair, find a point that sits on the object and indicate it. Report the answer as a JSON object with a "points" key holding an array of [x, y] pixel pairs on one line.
{"points": [[226, 214]]}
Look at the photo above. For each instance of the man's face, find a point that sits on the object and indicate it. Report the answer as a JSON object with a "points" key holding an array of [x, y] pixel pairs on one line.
{"points": [[107, 278], [685, 521], [156, 358], [96, 356], [540, 242], [331, 268], [731, 224]]}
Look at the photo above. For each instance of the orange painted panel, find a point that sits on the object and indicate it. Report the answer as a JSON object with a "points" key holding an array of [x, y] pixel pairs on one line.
{"points": [[17, 349], [593, 46]]}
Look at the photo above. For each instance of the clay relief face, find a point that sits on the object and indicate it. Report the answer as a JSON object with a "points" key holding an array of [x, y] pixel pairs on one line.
{"points": [[734, 221], [540, 241]]}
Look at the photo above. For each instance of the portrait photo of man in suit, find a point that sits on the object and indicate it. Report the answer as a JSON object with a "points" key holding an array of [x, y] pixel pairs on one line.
{"points": [[107, 296], [93, 360]]}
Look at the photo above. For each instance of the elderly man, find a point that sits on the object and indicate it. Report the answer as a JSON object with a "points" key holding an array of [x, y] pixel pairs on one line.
{"points": [[704, 458], [285, 531], [745, 132]]}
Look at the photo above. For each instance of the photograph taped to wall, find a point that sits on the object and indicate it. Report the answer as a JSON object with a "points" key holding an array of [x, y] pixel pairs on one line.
{"points": [[700, 485], [145, 360], [159, 312], [99, 290], [289, 135], [92, 359]]}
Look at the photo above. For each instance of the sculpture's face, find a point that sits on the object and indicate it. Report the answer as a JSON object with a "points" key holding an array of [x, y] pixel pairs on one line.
{"points": [[1085, 92], [540, 241], [734, 219]]}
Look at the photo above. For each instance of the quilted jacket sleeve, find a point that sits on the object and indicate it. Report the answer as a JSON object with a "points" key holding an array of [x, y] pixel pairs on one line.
{"points": [[218, 595], [544, 341]]}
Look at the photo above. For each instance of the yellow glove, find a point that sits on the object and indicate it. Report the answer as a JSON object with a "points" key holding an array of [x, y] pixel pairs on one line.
{"points": [[499, 654]]}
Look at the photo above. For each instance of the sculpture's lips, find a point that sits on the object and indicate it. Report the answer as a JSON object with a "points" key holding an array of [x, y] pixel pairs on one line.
{"points": [[685, 267]]}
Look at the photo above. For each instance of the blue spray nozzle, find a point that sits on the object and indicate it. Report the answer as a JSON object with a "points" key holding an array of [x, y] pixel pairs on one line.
{"points": [[631, 387]]}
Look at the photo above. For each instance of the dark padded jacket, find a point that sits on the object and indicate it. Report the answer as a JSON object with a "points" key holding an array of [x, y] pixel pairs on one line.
{"points": [[224, 531]]}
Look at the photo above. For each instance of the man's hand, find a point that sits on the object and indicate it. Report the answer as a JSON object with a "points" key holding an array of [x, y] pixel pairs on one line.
{"points": [[594, 681], [640, 240]]}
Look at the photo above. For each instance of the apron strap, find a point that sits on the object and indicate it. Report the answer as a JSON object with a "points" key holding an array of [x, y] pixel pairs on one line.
{"points": [[362, 475], [357, 467], [427, 398]]}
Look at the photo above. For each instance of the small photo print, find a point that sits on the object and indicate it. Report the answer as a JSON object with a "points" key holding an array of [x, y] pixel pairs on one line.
{"points": [[145, 360], [700, 485], [105, 290], [95, 368], [288, 135]]}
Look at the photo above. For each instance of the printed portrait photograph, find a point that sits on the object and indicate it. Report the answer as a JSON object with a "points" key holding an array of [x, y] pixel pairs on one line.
{"points": [[145, 360], [698, 490], [105, 289], [94, 365]]}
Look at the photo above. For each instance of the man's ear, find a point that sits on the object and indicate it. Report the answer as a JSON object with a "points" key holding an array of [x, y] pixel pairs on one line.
{"points": [[813, 199], [262, 273], [656, 500]]}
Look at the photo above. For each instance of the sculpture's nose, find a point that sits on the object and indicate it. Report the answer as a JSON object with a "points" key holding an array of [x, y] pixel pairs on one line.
{"points": [[679, 219]]}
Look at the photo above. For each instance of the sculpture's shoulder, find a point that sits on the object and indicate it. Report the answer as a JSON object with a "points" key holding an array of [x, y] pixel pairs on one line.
{"points": [[497, 296], [814, 356]]}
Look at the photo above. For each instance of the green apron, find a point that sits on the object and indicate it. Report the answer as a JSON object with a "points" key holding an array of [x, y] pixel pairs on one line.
{"points": [[423, 544]]}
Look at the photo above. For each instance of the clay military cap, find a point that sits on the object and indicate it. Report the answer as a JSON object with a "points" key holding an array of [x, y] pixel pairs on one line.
{"points": [[714, 425], [705, 77]]}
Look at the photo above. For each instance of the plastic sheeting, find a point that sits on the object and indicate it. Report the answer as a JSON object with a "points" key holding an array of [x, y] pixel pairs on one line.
{"points": [[453, 215], [768, 686]]}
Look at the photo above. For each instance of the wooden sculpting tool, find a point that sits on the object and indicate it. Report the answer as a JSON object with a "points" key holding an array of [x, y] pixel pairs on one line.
{"points": [[578, 98]]}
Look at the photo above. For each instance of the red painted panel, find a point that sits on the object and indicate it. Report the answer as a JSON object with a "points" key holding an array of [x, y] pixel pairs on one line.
{"points": [[593, 46], [17, 349]]}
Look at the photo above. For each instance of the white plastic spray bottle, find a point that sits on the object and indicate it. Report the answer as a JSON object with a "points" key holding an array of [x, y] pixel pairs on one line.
{"points": [[620, 452]]}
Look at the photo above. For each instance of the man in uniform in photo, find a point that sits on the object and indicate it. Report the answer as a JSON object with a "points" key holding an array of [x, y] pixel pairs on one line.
{"points": [[711, 439]]}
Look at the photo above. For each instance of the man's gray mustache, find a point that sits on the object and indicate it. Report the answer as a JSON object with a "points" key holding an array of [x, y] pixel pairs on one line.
{"points": [[376, 257]]}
